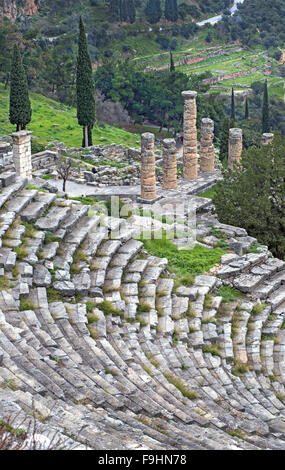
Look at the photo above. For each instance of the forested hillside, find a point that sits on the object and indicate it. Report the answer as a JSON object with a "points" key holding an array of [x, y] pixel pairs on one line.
{"points": [[256, 22]]}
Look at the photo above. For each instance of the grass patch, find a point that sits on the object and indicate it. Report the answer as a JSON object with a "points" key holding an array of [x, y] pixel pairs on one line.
{"points": [[54, 296], [258, 308], [143, 308], [51, 238], [21, 252], [228, 294], [86, 200], [90, 305], [186, 392], [208, 301], [47, 112], [26, 304], [195, 261], [212, 349], [210, 193], [107, 308]]}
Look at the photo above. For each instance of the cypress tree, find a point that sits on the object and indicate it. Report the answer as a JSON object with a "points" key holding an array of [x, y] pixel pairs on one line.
{"points": [[171, 10], [131, 11], [233, 107], [85, 87], [224, 144], [246, 114], [172, 66], [20, 105], [265, 110], [153, 11], [114, 8], [123, 10]]}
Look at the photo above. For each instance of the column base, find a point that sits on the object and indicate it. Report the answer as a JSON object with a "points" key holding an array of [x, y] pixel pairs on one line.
{"points": [[149, 201]]}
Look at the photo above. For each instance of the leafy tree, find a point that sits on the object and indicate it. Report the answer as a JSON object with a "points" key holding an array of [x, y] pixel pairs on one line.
{"points": [[262, 180], [85, 87], [265, 110], [20, 106], [153, 11]]}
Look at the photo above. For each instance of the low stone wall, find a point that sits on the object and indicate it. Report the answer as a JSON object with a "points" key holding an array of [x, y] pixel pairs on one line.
{"points": [[6, 154], [44, 160]]}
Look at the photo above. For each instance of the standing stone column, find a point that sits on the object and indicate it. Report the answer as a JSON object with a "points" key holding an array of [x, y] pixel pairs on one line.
{"points": [[148, 177], [169, 155], [190, 148], [207, 154], [22, 153], [235, 147], [267, 139]]}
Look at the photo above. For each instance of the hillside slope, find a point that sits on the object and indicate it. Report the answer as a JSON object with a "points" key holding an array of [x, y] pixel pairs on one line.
{"points": [[54, 121]]}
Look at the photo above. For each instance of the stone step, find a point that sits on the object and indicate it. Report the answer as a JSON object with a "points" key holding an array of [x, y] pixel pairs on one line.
{"points": [[36, 209], [54, 218], [21, 200], [11, 190]]}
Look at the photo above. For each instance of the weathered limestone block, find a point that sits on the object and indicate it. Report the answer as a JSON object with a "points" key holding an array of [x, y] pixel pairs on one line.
{"points": [[22, 153], [267, 139], [235, 147], [148, 177], [207, 154], [190, 153], [169, 155]]}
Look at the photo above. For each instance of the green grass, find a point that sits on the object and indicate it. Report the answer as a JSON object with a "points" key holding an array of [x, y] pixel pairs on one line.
{"points": [[47, 112], [210, 193], [186, 392], [26, 305], [195, 261], [228, 294]]}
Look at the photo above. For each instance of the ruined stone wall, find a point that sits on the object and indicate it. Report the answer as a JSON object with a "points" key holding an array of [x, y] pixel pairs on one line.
{"points": [[267, 138], [44, 160]]}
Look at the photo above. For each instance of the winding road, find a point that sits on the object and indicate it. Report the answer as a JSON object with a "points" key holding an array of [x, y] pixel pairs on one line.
{"points": [[216, 19]]}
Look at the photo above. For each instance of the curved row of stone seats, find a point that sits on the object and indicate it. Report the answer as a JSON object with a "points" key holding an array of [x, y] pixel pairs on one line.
{"points": [[33, 433], [134, 370]]}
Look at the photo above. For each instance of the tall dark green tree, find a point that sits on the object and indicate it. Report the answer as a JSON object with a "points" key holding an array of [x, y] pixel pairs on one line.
{"points": [[131, 11], [172, 66], [265, 110], [114, 8], [233, 107], [20, 105], [153, 11], [246, 112], [85, 87], [171, 10], [224, 143], [124, 10]]}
